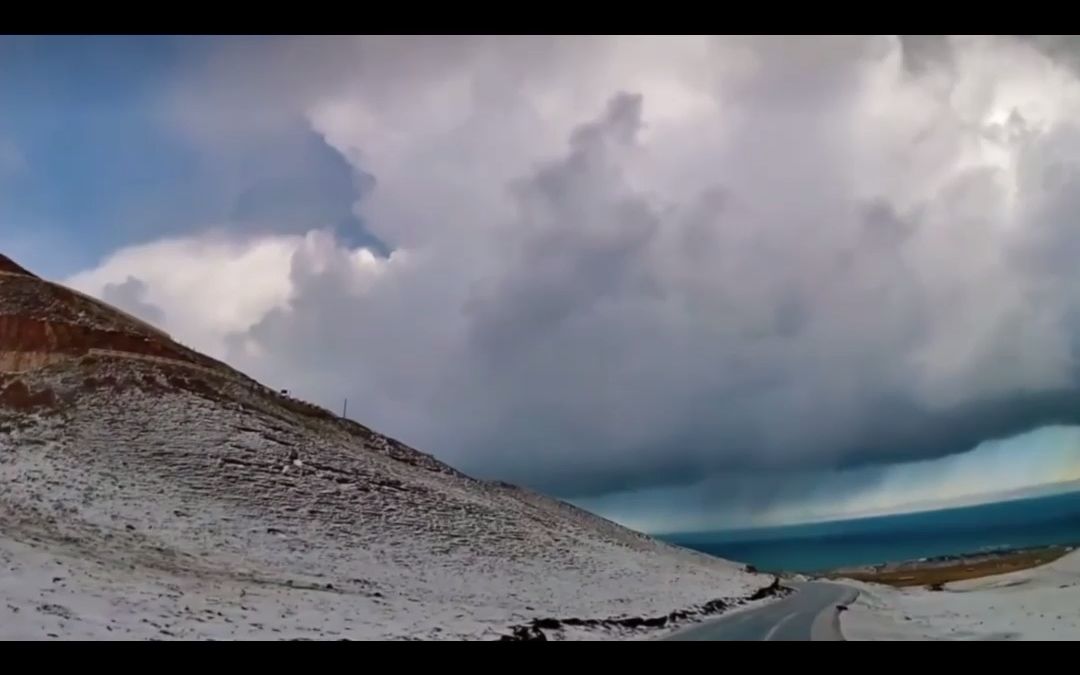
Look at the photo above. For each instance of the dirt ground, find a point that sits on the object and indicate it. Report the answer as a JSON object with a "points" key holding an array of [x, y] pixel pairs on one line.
{"points": [[933, 572]]}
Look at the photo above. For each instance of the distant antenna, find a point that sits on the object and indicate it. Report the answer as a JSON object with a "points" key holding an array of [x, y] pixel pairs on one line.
{"points": [[345, 409]]}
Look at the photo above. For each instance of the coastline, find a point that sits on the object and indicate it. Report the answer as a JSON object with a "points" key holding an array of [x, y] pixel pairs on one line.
{"points": [[936, 571]]}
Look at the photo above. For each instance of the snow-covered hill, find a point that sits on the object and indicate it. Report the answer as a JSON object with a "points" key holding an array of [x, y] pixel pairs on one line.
{"points": [[152, 492], [1041, 603]]}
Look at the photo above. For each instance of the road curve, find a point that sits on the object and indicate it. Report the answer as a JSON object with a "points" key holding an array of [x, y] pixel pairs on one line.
{"points": [[807, 614]]}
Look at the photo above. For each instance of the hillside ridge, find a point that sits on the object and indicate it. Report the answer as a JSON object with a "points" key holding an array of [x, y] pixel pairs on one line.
{"points": [[174, 496]]}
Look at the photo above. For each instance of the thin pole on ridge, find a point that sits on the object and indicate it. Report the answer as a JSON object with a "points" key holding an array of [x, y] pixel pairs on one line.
{"points": [[345, 408]]}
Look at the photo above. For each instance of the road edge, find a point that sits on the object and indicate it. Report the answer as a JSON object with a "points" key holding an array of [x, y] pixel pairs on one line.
{"points": [[826, 626]]}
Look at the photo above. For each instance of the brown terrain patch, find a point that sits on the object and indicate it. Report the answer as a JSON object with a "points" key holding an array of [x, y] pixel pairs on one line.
{"points": [[935, 573], [37, 315], [27, 335], [18, 396]]}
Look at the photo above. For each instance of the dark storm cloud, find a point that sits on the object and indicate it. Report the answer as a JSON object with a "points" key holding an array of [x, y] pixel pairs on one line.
{"points": [[627, 263], [559, 268]]}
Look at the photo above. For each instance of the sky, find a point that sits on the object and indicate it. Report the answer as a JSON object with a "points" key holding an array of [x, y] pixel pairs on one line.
{"points": [[687, 282]]}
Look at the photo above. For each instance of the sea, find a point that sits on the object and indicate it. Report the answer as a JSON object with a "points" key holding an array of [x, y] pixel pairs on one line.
{"points": [[816, 547]]}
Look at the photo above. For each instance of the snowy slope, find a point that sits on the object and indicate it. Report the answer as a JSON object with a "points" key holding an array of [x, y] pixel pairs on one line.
{"points": [[1042, 603], [149, 492]]}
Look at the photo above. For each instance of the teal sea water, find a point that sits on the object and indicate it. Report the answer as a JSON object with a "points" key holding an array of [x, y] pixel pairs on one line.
{"points": [[1021, 523]]}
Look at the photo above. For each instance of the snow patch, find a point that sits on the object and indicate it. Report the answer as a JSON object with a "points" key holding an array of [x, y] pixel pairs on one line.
{"points": [[1041, 603]]}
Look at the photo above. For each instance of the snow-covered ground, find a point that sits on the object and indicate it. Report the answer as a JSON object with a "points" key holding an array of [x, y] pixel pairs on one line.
{"points": [[159, 502], [1041, 603]]}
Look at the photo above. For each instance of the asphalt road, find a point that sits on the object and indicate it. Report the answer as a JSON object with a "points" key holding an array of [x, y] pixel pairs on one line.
{"points": [[807, 614]]}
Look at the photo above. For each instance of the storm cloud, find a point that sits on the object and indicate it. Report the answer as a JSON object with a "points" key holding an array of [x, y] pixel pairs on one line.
{"points": [[617, 264]]}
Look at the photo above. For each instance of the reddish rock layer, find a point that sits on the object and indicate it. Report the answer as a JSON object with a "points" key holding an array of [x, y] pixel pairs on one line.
{"points": [[44, 321], [19, 334]]}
